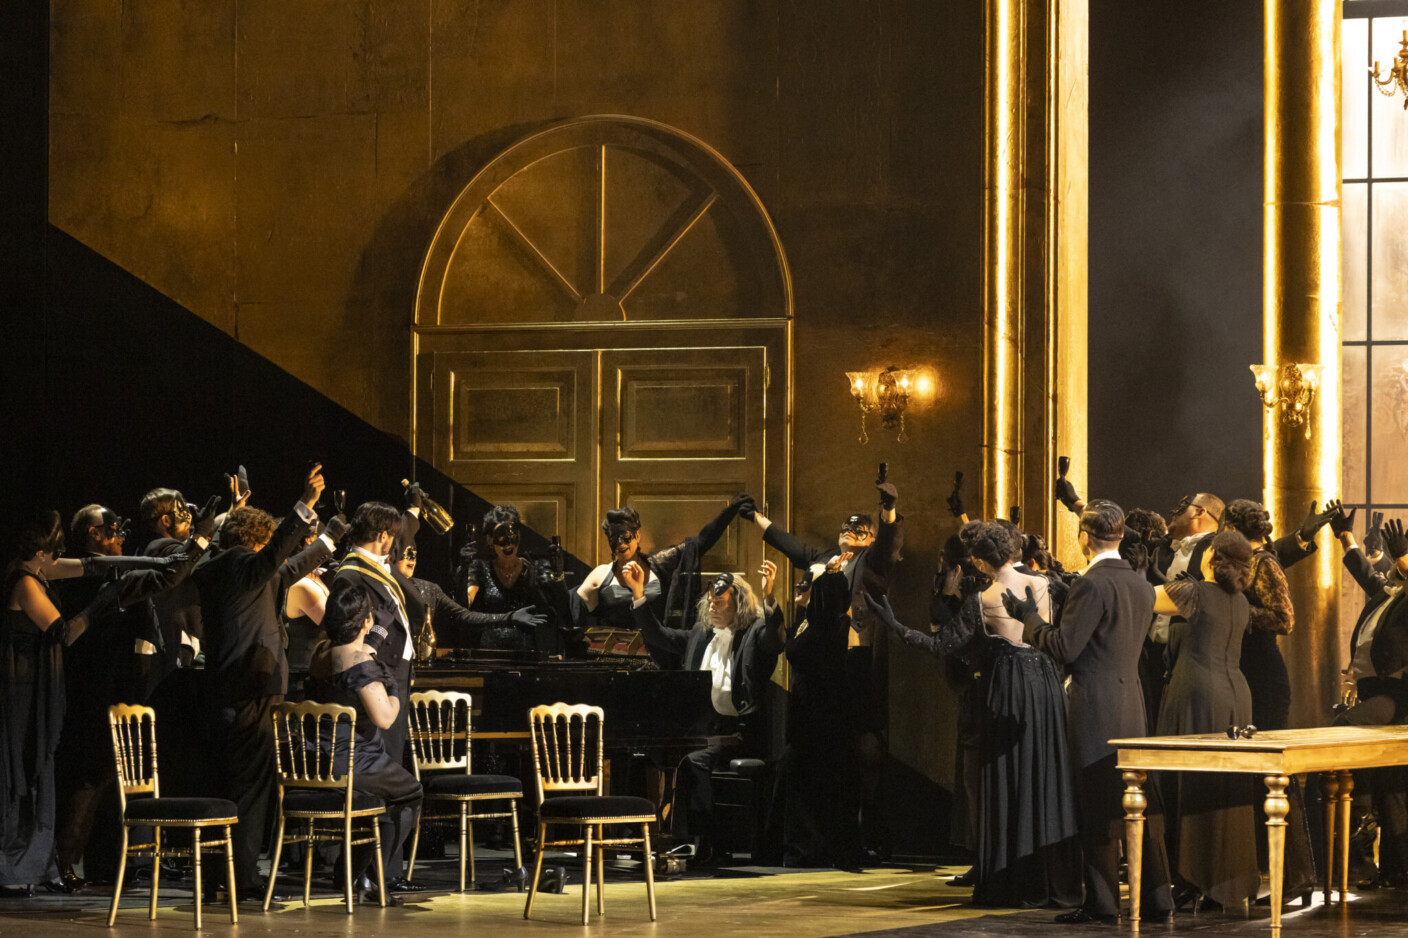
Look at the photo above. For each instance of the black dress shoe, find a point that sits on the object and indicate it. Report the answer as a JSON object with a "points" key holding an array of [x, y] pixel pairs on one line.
{"points": [[964, 880], [401, 884], [71, 881], [1084, 916]]}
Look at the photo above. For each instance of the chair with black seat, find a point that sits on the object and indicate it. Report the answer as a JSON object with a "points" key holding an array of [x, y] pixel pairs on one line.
{"points": [[440, 731], [314, 747], [134, 747], [568, 757]]}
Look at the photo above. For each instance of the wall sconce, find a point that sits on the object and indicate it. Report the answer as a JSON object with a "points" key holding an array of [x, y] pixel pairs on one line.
{"points": [[1397, 78], [1289, 387], [888, 393]]}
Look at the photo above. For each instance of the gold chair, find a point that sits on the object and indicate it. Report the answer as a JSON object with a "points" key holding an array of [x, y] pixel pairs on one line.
{"points": [[440, 742], [567, 756], [134, 747], [308, 739]]}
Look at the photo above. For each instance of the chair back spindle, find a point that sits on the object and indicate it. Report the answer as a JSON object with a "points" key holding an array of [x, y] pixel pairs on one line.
{"points": [[567, 747], [314, 744], [134, 746], [440, 730]]}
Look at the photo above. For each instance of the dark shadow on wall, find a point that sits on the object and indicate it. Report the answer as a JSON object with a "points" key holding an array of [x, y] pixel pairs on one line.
{"points": [[1175, 250], [389, 272], [139, 392]]}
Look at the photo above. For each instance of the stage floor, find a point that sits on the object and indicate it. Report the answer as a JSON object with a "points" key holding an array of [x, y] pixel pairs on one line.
{"points": [[895, 902]]}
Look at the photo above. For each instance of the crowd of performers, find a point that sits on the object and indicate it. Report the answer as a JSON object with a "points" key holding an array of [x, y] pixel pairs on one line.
{"points": [[1170, 627]]}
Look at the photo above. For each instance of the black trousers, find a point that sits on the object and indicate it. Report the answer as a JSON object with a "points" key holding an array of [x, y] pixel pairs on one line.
{"points": [[1100, 817], [694, 784], [395, 737], [244, 755]]}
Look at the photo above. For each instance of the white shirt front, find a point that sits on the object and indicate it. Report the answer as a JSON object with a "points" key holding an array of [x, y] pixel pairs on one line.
{"points": [[719, 661], [1158, 631]]}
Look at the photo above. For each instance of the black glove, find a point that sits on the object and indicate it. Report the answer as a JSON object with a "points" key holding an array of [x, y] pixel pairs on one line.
{"points": [[955, 499], [1395, 541], [415, 496], [1066, 494], [1341, 523], [1314, 522], [336, 528], [526, 618], [102, 566], [1021, 609], [1374, 536], [742, 503], [889, 495], [883, 611], [203, 519]]}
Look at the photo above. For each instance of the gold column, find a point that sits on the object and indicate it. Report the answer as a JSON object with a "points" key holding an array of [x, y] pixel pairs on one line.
{"points": [[1004, 254], [1301, 314], [1068, 169]]}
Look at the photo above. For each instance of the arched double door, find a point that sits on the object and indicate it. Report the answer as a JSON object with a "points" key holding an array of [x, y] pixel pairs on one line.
{"points": [[604, 318]]}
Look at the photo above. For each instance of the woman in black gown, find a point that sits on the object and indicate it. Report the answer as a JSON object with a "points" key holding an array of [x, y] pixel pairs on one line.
{"points": [[522, 608], [33, 634], [342, 671], [1028, 854], [819, 764], [1272, 616], [1210, 825]]}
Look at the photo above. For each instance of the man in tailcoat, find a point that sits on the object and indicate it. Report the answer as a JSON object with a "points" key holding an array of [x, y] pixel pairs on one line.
{"points": [[1099, 637]]}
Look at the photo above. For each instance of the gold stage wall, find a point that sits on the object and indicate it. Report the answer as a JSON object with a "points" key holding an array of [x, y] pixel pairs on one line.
{"points": [[280, 168]]}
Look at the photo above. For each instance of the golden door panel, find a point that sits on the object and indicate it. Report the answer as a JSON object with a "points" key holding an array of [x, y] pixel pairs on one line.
{"points": [[684, 432], [519, 427], [546, 509]]}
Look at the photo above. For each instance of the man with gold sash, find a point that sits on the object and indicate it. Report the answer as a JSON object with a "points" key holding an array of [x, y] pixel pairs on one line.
{"points": [[373, 529]]}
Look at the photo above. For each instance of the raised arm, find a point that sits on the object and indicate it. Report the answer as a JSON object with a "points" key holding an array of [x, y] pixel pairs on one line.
{"points": [[31, 599], [709, 534], [657, 635]]}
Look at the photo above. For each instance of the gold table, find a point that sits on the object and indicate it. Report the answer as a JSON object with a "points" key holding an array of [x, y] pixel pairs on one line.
{"points": [[1274, 755]]}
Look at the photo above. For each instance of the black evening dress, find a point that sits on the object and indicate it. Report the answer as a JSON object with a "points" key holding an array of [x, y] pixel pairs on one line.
{"points": [[1211, 824], [819, 764], [374, 772], [1028, 854], [532, 588], [31, 666]]}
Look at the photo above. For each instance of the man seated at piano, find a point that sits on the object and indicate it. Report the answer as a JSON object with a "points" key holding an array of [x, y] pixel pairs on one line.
{"points": [[670, 574], [738, 638]]}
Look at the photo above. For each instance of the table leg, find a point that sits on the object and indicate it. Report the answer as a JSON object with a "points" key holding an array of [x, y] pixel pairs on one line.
{"points": [[1342, 829], [1277, 806], [1134, 803], [1329, 791]]}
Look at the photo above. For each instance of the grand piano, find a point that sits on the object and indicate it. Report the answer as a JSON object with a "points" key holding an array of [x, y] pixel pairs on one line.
{"points": [[646, 709]]}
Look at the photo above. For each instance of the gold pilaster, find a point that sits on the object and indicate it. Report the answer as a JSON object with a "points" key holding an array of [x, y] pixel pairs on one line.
{"points": [[1068, 162], [1301, 314], [1004, 253]]}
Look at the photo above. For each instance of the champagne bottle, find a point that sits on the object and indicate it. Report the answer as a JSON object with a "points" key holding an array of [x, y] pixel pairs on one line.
{"points": [[433, 513], [425, 641]]}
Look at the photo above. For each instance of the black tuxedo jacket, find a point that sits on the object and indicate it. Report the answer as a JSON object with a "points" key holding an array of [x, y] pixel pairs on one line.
{"points": [[1389, 648], [1098, 637], [239, 596], [754, 651]]}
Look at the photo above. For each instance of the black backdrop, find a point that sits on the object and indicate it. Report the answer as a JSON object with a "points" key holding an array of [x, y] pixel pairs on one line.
{"points": [[1175, 249]]}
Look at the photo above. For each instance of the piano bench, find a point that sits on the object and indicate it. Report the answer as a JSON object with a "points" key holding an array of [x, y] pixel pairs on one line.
{"points": [[742, 797]]}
